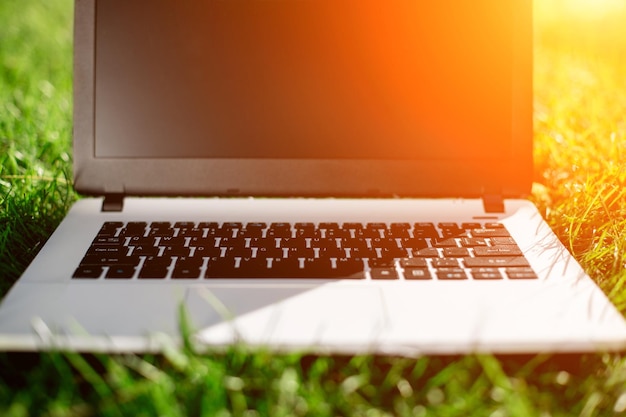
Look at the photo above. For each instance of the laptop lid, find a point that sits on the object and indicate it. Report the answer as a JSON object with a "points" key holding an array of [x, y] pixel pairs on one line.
{"points": [[303, 98]]}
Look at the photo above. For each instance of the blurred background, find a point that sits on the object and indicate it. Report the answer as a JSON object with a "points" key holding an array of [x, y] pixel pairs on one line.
{"points": [[590, 27]]}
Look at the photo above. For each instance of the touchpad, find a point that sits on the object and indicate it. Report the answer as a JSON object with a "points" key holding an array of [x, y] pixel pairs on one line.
{"points": [[329, 315]]}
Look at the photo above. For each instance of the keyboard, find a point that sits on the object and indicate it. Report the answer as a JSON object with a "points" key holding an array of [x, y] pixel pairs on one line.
{"points": [[372, 251]]}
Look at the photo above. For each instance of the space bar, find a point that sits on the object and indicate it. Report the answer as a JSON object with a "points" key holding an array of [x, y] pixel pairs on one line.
{"points": [[352, 271], [503, 261]]}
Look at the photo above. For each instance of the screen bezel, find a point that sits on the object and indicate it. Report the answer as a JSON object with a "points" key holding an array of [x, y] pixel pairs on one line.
{"points": [[510, 176]]}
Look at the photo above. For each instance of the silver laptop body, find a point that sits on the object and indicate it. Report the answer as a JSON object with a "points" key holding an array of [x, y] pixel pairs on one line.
{"points": [[349, 117]]}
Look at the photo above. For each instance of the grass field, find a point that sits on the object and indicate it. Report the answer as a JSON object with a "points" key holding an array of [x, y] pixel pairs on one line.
{"points": [[580, 157]]}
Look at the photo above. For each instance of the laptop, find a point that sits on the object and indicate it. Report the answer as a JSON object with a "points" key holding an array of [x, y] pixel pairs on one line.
{"points": [[316, 176]]}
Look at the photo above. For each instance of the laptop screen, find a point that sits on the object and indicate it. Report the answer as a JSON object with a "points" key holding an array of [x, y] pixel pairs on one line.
{"points": [[303, 79], [417, 82]]}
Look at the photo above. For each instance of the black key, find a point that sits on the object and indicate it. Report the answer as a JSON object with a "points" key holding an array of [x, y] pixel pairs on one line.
{"points": [[376, 230], [212, 226], [417, 274], [425, 230], [455, 252], [141, 241], [381, 262], [88, 271], [107, 250], [426, 253], [109, 229], [445, 243], [299, 253], [384, 273], [445, 263], [221, 268], [153, 271], [393, 252], [186, 272], [269, 242], [172, 241], [184, 225], [485, 270], [161, 232], [160, 225], [293, 243], [189, 262], [470, 226], [207, 251], [521, 273], [228, 229], [472, 242], [487, 275], [252, 230], [108, 240], [231, 225], [158, 229], [238, 252], [278, 230], [360, 253], [265, 253], [413, 243], [413, 263], [349, 268], [105, 260], [176, 251], [145, 251], [502, 261], [191, 232], [352, 226], [336, 233], [367, 233], [451, 230], [285, 267], [384, 242], [136, 225], [448, 225], [253, 268], [358, 243], [328, 253], [307, 230], [399, 230], [157, 261], [209, 241], [134, 229], [508, 250], [451, 274], [120, 272], [498, 241], [333, 231], [318, 268], [315, 267], [278, 233], [232, 242], [493, 232], [324, 243]]}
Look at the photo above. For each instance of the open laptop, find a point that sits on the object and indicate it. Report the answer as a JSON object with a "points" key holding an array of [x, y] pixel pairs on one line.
{"points": [[313, 175]]}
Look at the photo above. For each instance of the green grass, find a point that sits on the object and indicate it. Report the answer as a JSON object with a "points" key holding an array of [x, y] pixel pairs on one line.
{"points": [[35, 126], [580, 97]]}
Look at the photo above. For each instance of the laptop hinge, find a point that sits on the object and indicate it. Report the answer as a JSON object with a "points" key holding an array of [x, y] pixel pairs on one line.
{"points": [[113, 202], [493, 203]]}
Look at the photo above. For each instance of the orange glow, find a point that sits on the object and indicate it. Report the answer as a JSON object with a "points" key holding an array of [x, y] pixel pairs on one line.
{"points": [[589, 8], [593, 28]]}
